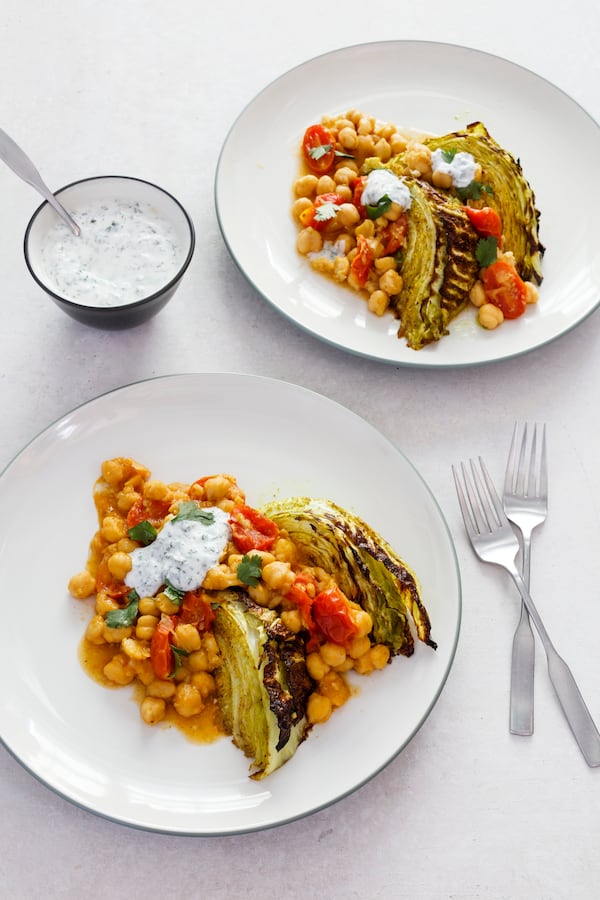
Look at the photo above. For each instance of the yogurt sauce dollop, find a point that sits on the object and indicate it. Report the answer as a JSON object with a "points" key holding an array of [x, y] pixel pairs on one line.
{"points": [[461, 168], [126, 251], [383, 183], [182, 553]]}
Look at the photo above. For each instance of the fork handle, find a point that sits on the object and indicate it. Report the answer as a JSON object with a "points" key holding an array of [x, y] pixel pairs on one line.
{"points": [[569, 696], [523, 658]]}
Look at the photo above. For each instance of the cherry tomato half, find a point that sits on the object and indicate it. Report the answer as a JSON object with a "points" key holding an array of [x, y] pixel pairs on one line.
{"points": [[299, 594], [505, 289], [332, 617], [161, 653], [310, 216], [195, 610], [486, 221], [394, 235], [358, 187], [318, 148], [250, 530], [361, 264], [145, 510]]}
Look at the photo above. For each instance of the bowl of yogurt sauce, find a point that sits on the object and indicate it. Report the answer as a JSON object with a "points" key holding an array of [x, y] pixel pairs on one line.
{"points": [[135, 245]]}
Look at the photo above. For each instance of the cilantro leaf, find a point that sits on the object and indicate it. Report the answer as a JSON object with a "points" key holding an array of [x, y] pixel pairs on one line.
{"points": [[473, 191], [250, 569], [179, 653], [344, 155], [144, 532], [123, 618], [319, 151], [192, 512], [449, 154], [326, 211], [174, 594], [487, 251], [378, 209]]}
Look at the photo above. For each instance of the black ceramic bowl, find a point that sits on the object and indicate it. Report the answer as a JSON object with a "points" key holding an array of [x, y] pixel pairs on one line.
{"points": [[136, 243]]}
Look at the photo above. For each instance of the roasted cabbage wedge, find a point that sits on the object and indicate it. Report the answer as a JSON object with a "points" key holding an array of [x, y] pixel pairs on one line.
{"points": [[507, 191], [439, 266], [364, 566], [262, 682]]}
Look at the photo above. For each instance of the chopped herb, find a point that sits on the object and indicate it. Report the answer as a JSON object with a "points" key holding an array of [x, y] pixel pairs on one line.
{"points": [[178, 653], [326, 211], [191, 511], [319, 151], [449, 154], [144, 532], [250, 569], [399, 257], [174, 594], [487, 251], [378, 209], [123, 618], [473, 191], [344, 155]]}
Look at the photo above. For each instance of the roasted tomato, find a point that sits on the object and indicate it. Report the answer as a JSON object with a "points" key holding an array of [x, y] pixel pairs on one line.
{"points": [[486, 221], [358, 187], [196, 610], [505, 289], [302, 593], [394, 235], [363, 259], [250, 530], [311, 216], [318, 148], [161, 652], [145, 510], [332, 617]]}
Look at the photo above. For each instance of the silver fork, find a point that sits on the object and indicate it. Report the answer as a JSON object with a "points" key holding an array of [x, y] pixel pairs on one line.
{"points": [[494, 541], [526, 505]]}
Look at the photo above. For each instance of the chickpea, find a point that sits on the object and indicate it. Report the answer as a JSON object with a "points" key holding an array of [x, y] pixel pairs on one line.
{"points": [[332, 654], [334, 688], [477, 294], [380, 655], [316, 666], [363, 622], [188, 637], [490, 316], [278, 576], [348, 137], [126, 498], [397, 143], [113, 528], [261, 594], [82, 585], [345, 192], [119, 564], [384, 263], [441, 179], [143, 670], [341, 268], [165, 605], [198, 661], [532, 292], [116, 635], [348, 215], [365, 125], [126, 545], [104, 603], [158, 688], [382, 150], [363, 665], [153, 710], [119, 670], [345, 174], [113, 471], [359, 646], [136, 650], [391, 282], [217, 488], [204, 683], [188, 700], [325, 185], [366, 146], [318, 708], [418, 158], [144, 627], [147, 607], [306, 186], [309, 241], [366, 228], [94, 633], [292, 619], [323, 264]]}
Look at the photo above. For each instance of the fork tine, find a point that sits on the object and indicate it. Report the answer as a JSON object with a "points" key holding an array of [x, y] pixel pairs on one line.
{"points": [[509, 477], [532, 487], [464, 506], [543, 486], [519, 479], [493, 495]]}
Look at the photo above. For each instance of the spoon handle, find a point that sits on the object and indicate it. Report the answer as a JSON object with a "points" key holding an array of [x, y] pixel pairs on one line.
{"points": [[20, 163]]}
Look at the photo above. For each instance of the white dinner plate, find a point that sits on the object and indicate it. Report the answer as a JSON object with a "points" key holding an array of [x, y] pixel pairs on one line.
{"points": [[433, 87], [89, 743]]}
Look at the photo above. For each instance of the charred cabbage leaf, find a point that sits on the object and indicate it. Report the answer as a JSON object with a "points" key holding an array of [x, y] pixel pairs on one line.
{"points": [[439, 266], [364, 566], [262, 682]]}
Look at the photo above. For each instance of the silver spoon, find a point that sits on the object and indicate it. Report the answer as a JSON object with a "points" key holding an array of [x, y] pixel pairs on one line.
{"points": [[20, 163]]}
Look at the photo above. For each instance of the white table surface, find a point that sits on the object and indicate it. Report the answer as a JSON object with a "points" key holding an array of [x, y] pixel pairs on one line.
{"points": [[467, 811]]}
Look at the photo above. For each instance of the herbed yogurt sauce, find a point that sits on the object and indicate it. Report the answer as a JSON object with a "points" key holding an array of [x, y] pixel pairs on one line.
{"points": [[182, 553], [125, 252]]}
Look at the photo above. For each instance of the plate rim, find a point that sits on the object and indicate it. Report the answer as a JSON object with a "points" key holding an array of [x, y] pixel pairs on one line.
{"points": [[344, 410], [339, 345]]}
